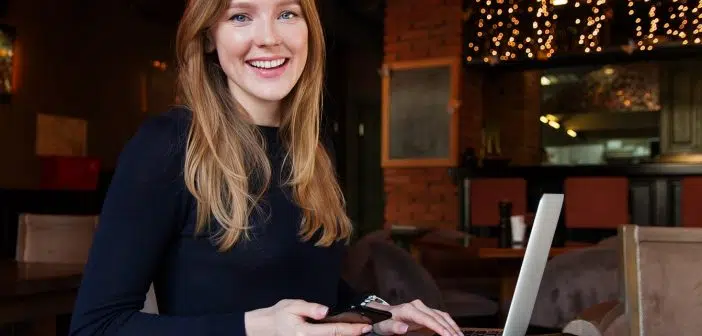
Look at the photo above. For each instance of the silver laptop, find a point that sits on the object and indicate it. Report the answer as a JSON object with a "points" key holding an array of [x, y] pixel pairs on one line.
{"points": [[532, 269]]}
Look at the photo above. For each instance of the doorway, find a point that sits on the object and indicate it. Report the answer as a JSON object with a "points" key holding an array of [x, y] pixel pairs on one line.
{"points": [[353, 112]]}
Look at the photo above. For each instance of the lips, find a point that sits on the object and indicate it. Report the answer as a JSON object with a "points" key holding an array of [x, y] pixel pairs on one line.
{"points": [[267, 64], [268, 68]]}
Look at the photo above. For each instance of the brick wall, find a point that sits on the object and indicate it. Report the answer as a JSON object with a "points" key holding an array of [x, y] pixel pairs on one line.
{"points": [[417, 29]]}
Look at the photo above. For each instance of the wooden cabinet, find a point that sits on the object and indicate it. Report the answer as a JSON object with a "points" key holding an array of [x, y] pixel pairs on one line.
{"points": [[681, 114]]}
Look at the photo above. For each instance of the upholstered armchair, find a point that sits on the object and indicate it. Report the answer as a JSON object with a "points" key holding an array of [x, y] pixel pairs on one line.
{"points": [[401, 279], [661, 279], [357, 268], [576, 280]]}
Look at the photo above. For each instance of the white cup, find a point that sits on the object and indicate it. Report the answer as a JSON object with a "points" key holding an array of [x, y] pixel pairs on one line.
{"points": [[518, 231]]}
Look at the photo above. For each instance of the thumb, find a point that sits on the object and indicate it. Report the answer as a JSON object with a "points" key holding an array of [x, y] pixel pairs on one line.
{"points": [[391, 327], [307, 309]]}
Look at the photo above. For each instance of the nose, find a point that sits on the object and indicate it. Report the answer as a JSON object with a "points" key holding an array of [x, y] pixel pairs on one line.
{"points": [[267, 33]]}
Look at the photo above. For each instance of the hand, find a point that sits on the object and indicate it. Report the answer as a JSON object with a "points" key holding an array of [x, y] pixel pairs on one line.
{"points": [[288, 317], [413, 316]]}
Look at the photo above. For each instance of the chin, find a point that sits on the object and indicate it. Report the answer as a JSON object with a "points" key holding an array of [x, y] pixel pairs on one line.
{"points": [[271, 94]]}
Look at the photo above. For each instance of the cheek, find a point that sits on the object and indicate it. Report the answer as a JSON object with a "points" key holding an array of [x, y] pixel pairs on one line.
{"points": [[297, 38], [231, 44]]}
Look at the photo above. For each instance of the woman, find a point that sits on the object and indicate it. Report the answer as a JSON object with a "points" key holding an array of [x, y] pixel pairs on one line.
{"points": [[231, 207]]}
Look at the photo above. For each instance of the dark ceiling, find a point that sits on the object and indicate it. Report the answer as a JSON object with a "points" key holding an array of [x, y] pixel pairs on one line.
{"points": [[168, 12], [165, 12]]}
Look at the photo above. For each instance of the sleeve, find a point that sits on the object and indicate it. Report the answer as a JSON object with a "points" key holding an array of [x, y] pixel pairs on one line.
{"points": [[138, 220], [347, 295]]}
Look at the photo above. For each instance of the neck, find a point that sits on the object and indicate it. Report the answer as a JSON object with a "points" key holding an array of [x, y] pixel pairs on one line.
{"points": [[261, 112], [266, 114]]}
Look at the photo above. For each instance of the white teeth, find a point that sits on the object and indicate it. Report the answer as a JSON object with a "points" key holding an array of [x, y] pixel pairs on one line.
{"points": [[268, 64]]}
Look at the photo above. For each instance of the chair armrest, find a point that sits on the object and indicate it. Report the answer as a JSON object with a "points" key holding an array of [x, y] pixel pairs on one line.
{"points": [[595, 320]]}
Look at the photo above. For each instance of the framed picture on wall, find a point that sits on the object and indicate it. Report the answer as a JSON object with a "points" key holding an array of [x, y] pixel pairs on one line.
{"points": [[420, 110], [7, 53]]}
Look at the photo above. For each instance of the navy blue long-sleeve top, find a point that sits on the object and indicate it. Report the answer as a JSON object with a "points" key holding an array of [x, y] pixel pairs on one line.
{"points": [[146, 234]]}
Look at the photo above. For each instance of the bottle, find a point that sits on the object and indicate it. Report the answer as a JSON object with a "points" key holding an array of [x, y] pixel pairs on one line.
{"points": [[505, 227]]}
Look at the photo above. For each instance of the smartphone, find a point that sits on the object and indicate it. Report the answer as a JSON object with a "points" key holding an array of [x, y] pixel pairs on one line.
{"points": [[356, 314]]}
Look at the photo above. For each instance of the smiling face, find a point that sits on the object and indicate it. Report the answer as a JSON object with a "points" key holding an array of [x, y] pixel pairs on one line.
{"points": [[262, 48]]}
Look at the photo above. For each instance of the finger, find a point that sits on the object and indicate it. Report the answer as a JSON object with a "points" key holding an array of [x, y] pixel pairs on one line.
{"points": [[391, 327], [337, 329], [449, 320], [306, 309], [378, 306], [421, 314]]}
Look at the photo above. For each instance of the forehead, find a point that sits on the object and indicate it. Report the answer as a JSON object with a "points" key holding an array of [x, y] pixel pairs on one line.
{"points": [[262, 3]]}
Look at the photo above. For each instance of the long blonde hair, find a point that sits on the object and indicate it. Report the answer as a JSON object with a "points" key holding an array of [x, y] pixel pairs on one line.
{"points": [[223, 148]]}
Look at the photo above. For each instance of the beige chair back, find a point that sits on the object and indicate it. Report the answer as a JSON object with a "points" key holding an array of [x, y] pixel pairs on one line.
{"points": [[62, 239], [55, 238], [662, 279]]}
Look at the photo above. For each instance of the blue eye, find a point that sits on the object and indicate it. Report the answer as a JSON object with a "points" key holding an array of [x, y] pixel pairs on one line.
{"points": [[287, 15], [238, 18]]}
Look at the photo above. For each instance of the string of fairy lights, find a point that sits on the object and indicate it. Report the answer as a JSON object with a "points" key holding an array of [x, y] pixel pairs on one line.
{"points": [[503, 30], [683, 22], [507, 30], [590, 26], [545, 33]]}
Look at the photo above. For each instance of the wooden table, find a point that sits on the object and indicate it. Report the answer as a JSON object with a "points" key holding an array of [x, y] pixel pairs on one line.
{"points": [[37, 293], [482, 258], [486, 248]]}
